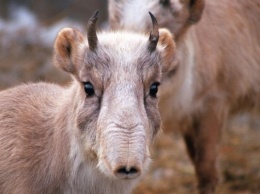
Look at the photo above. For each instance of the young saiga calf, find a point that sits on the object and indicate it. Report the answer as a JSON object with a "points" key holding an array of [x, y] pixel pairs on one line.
{"points": [[93, 136]]}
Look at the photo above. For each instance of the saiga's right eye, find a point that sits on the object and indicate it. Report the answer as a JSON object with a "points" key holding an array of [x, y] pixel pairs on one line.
{"points": [[89, 89]]}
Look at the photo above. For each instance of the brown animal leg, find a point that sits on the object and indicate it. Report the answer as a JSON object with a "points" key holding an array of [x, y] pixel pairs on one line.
{"points": [[190, 145], [202, 140]]}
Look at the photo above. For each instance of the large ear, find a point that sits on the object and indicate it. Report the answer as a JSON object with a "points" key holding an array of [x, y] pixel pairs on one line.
{"points": [[166, 46], [67, 49], [196, 9]]}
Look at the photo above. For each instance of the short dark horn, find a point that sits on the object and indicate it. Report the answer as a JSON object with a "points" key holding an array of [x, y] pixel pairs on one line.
{"points": [[91, 31], [154, 35]]}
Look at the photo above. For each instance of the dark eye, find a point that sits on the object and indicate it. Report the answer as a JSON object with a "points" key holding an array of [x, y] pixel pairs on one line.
{"points": [[165, 2], [154, 89], [89, 89]]}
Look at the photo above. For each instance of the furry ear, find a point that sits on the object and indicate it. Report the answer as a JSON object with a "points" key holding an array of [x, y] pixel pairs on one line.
{"points": [[196, 9], [166, 46], [67, 49]]}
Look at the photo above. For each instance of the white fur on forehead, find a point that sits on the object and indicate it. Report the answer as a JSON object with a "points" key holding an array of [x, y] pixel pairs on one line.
{"points": [[125, 45], [121, 38], [121, 52]]}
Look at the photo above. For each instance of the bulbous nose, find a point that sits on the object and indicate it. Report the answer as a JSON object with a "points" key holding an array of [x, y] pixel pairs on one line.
{"points": [[125, 172]]}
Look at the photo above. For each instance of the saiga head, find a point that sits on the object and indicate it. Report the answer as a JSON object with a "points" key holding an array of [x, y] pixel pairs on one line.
{"points": [[116, 78], [175, 15]]}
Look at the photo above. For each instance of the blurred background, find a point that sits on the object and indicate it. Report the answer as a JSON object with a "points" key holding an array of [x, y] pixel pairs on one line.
{"points": [[27, 31]]}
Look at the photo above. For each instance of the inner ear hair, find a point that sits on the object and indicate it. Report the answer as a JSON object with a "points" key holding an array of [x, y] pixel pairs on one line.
{"points": [[66, 47], [167, 47], [166, 40]]}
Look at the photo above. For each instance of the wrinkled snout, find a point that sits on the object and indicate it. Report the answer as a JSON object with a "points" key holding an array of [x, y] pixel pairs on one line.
{"points": [[124, 135], [125, 153]]}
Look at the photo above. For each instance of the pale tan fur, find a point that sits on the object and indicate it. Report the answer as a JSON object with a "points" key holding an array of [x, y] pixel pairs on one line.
{"points": [[218, 70], [57, 139]]}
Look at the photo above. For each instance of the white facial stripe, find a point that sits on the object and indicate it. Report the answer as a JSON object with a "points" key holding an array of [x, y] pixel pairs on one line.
{"points": [[177, 5], [135, 11], [187, 88]]}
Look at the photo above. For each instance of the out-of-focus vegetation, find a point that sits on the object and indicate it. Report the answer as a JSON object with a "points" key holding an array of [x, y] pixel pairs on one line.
{"points": [[49, 11], [27, 31]]}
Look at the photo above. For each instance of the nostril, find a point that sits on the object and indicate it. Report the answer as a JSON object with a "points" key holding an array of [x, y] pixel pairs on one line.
{"points": [[124, 172]]}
